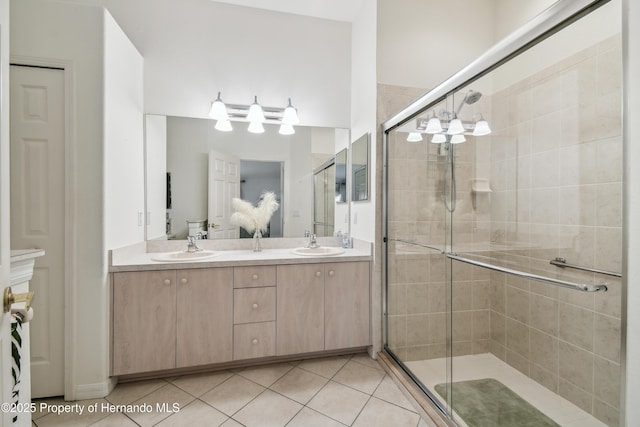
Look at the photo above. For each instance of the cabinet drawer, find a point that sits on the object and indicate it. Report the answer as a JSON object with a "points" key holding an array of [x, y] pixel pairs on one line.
{"points": [[251, 277], [254, 340], [252, 305]]}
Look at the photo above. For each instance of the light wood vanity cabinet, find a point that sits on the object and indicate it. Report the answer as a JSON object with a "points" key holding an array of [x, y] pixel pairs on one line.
{"points": [[323, 307], [144, 321], [171, 319]]}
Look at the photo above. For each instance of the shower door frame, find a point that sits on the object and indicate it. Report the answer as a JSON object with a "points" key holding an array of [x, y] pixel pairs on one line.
{"points": [[552, 20]]}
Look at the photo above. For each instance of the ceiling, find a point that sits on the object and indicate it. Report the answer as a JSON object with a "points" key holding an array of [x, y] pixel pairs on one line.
{"points": [[338, 10]]}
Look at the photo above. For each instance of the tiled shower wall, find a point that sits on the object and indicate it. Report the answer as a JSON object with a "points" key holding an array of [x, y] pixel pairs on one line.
{"points": [[556, 175]]}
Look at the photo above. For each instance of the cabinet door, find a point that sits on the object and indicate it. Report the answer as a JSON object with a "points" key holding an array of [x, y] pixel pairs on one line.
{"points": [[300, 308], [346, 308], [205, 316], [144, 321]]}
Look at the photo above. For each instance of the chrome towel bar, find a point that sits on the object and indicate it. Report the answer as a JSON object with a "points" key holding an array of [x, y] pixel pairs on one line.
{"points": [[556, 282], [561, 262]]}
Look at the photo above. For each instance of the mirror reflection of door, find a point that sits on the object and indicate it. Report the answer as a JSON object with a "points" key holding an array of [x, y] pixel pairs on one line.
{"points": [[224, 185], [256, 177], [324, 186]]}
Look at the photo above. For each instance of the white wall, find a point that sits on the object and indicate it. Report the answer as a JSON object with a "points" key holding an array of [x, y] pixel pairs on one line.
{"points": [[123, 139], [155, 175], [363, 113], [195, 48], [631, 47], [5, 191], [421, 43], [72, 35]]}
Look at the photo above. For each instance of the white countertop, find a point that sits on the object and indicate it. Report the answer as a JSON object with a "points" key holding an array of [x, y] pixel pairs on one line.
{"points": [[141, 261]]}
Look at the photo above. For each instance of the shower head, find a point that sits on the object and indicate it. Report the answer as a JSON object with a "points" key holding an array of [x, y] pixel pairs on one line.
{"points": [[471, 97]]}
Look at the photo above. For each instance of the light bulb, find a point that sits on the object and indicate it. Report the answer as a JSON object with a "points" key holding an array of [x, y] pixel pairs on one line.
{"points": [[434, 126], [439, 138], [286, 129], [218, 110], [290, 115], [255, 112], [224, 126], [255, 127], [414, 137], [481, 128], [457, 139], [455, 127]]}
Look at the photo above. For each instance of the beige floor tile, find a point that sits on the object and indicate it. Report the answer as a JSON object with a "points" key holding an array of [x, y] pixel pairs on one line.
{"points": [[339, 402], [232, 394], [365, 359], [117, 419], [378, 413], [130, 392], [43, 405], [74, 418], [168, 395], [267, 374], [310, 418], [359, 376], [299, 385], [326, 366], [389, 391], [231, 423], [199, 384], [268, 410], [195, 414]]}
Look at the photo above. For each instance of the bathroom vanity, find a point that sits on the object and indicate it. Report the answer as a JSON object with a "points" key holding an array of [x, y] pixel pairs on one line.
{"points": [[237, 307]]}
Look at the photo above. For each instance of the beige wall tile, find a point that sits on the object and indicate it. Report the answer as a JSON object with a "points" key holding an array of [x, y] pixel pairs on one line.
{"points": [[576, 366], [576, 326]]}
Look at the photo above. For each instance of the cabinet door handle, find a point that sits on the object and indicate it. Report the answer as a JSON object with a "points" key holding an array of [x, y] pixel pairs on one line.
{"points": [[331, 273], [254, 277], [254, 341], [167, 281], [183, 280], [255, 305], [318, 274]]}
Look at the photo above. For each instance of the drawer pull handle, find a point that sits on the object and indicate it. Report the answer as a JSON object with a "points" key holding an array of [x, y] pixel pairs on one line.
{"points": [[167, 281], [254, 277], [331, 273], [318, 274], [255, 305], [183, 280], [254, 341]]}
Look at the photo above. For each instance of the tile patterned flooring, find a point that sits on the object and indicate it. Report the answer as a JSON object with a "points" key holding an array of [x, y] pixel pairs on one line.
{"points": [[328, 392]]}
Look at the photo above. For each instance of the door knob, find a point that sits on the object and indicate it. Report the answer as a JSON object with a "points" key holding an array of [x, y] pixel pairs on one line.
{"points": [[10, 298]]}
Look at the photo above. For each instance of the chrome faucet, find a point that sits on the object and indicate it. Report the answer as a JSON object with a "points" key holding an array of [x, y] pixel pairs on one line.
{"points": [[192, 246], [313, 244]]}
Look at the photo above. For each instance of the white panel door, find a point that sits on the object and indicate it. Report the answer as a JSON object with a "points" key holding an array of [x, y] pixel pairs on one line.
{"points": [[224, 185], [37, 212]]}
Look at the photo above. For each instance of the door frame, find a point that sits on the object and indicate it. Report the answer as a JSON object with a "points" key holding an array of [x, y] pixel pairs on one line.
{"points": [[71, 232]]}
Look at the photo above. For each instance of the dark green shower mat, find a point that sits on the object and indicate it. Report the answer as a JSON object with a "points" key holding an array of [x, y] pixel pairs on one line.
{"points": [[489, 403]]}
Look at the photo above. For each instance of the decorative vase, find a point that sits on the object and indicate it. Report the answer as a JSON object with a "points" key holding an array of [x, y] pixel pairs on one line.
{"points": [[257, 247]]}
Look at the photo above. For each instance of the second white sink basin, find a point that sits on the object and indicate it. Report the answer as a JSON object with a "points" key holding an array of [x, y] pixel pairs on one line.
{"points": [[319, 251], [183, 256]]}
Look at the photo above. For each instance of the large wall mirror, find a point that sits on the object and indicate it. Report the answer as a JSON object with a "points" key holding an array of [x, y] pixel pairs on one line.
{"points": [[269, 161], [360, 169]]}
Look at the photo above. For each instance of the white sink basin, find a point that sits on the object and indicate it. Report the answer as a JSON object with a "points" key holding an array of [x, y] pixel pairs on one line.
{"points": [[319, 251], [183, 256]]}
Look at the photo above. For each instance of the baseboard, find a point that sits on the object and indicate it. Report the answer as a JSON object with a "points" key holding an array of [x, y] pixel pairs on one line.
{"points": [[95, 390]]}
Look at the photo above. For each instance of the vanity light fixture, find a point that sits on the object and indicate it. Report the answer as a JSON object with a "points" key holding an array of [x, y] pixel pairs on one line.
{"points": [[481, 127], [434, 126], [455, 127], [224, 125], [255, 114], [218, 110], [457, 139], [439, 138], [414, 137]]}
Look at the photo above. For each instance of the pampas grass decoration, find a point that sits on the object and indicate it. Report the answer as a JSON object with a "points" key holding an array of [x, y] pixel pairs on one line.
{"points": [[254, 218]]}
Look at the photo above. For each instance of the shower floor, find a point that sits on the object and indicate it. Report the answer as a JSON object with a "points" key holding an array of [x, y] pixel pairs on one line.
{"points": [[478, 366]]}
